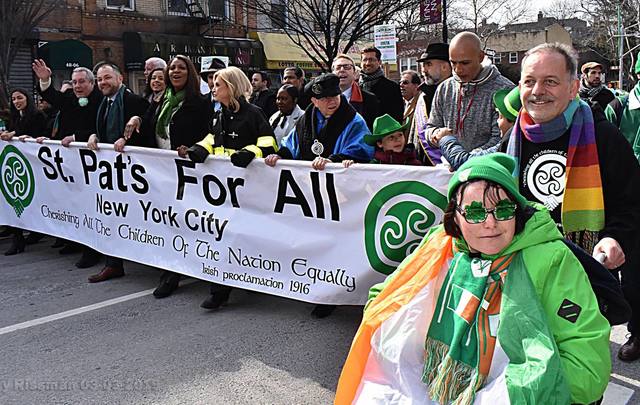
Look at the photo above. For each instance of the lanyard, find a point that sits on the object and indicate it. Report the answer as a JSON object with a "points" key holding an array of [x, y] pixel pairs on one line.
{"points": [[460, 120]]}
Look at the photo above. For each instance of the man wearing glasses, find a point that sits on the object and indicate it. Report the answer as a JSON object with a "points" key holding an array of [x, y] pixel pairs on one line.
{"points": [[410, 90], [362, 101]]}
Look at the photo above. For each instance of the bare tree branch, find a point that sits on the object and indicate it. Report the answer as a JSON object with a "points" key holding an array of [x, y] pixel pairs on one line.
{"points": [[487, 17], [320, 27], [18, 19]]}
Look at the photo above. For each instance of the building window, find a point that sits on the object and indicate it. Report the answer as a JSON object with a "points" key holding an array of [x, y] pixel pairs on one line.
{"points": [[278, 14], [497, 58], [408, 64], [178, 7], [323, 16], [513, 57], [121, 4], [219, 8]]}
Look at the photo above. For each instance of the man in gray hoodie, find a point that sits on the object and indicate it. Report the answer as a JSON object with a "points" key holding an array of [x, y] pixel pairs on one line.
{"points": [[463, 104]]}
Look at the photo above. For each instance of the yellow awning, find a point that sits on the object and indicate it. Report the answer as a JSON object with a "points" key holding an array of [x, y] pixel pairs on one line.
{"points": [[281, 52]]}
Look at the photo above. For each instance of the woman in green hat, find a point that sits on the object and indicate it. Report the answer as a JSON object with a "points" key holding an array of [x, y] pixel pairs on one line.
{"points": [[491, 308]]}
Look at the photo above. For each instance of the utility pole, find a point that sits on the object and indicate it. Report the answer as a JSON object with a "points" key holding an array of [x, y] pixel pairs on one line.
{"points": [[445, 34], [620, 46]]}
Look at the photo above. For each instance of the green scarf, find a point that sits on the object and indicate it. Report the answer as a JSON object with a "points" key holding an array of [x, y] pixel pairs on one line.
{"points": [[170, 103], [464, 329]]}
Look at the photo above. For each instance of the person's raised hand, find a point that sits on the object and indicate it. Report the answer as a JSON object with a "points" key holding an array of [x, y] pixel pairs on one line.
{"points": [[41, 70]]}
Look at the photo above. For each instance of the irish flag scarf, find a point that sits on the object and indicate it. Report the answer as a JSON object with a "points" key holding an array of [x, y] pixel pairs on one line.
{"points": [[462, 336], [583, 201]]}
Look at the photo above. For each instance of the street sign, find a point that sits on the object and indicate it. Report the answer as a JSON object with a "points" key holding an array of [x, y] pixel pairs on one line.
{"points": [[385, 40]]}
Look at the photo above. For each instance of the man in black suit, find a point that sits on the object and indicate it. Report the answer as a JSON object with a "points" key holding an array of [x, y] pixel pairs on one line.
{"points": [[77, 109], [263, 96], [76, 122], [362, 101], [117, 107], [372, 80]]}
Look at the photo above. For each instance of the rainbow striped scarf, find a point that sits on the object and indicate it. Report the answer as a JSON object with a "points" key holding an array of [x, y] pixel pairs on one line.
{"points": [[583, 201]]}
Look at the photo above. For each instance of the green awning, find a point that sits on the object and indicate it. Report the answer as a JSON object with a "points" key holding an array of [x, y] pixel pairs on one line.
{"points": [[66, 54]]}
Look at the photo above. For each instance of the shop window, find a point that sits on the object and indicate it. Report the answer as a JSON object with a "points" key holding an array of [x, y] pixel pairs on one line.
{"points": [[121, 4], [177, 7], [513, 57]]}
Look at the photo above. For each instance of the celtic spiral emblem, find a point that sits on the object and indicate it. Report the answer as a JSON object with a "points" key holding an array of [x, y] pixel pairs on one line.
{"points": [[396, 220], [546, 179], [16, 181]]}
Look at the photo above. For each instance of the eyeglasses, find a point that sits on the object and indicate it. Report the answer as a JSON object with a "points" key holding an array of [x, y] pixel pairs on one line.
{"points": [[475, 213], [344, 67]]}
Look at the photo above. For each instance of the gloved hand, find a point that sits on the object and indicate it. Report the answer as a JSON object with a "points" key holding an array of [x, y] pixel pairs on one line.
{"points": [[242, 158], [197, 153]]}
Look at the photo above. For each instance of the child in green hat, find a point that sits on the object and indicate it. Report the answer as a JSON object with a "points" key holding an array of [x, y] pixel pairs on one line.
{"points": [[390, 143]]}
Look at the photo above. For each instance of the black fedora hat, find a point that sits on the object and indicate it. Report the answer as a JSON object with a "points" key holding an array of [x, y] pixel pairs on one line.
{"points": [[437, 50]]}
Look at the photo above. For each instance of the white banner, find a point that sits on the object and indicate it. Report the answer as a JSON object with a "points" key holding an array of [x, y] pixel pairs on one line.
{"points": [[316, 236]]}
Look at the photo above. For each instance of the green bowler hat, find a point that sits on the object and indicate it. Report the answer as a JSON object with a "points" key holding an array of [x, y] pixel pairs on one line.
{"points": [[507, 101], [383, 126]]}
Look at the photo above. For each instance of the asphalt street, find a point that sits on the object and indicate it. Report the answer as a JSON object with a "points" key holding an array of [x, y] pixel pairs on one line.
{"points": [[65, 341]]}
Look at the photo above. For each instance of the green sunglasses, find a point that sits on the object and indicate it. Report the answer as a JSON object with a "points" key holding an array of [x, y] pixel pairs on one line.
{"points": [[475, 213]]}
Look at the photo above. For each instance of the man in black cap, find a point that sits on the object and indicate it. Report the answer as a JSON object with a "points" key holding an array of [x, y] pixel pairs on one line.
{"points": [[435, 68], [592, 88], [207, 75], [330, 131]]}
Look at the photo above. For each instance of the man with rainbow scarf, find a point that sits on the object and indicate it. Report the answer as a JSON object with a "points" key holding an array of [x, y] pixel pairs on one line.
{"points": [[577, 164]]}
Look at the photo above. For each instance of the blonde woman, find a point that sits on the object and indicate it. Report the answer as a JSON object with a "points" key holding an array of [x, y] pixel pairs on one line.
{"points": [[241, 131]]}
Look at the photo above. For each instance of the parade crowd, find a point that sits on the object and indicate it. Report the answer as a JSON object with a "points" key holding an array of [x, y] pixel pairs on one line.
{"points": [[537, 255]]}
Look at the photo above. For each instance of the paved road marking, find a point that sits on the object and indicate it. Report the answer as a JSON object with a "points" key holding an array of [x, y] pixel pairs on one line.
{"points": [[617, 394], [627, 380], [81, 310]]}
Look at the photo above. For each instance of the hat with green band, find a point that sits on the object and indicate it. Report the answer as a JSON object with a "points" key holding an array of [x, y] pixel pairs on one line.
{"points": [[507, 101], [382, 127], [496, 167]]}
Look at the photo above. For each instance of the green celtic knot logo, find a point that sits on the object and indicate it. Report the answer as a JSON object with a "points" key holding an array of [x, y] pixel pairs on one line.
{"points": [[397, 219], [16, 181]]}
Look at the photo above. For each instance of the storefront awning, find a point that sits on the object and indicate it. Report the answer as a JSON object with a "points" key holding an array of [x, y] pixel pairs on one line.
{"points": [[139, 46], [66, 54], [280, 52]]}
